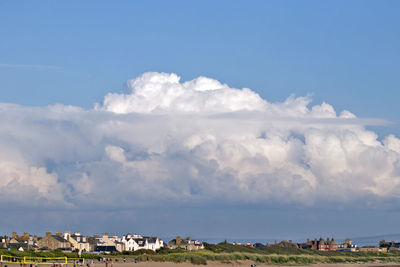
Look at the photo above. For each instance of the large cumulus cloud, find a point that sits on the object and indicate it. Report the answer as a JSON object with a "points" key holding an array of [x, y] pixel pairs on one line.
{"points": [[194, 141]]}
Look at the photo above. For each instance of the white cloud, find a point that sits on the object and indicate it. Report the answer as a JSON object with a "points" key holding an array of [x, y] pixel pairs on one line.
{"points": [[163, 93], [26, 184], [198, 140]]}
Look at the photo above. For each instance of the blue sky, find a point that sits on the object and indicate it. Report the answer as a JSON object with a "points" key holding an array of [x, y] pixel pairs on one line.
{"points": [[344, 53]]}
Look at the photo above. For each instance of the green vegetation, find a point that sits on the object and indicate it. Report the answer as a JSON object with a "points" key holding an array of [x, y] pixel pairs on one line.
{"points": [[225, 252], [201, 257], [47, 254]]}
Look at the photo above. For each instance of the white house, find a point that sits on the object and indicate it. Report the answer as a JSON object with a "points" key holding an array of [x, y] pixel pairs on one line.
{"points": [[136, 242], [78, 241]]}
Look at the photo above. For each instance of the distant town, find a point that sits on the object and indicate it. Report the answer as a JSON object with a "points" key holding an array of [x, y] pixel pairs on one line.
{"points": [[76, 242], [105, 243]]}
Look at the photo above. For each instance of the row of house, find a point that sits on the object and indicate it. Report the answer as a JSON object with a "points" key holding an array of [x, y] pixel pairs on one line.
{"points": [[77, 242], [186, 243], [329, 244], [132, 242], [106, 243], [316, 244]]}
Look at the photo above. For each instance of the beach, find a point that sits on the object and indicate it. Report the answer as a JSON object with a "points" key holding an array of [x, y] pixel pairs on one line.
{"points": [[241, 264]]}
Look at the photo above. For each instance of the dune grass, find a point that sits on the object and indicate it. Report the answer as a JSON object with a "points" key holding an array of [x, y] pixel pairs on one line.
{"points": [[202, 257], [225, 252]]}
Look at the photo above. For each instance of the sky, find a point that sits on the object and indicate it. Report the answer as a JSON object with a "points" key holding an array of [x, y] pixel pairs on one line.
{"points": [[214, 119]]}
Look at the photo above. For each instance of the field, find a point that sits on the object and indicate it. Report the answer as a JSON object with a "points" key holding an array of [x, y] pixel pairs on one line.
{"points": [[227, 253]]}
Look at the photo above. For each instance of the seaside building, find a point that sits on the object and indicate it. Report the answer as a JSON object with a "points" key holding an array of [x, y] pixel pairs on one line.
{"points": [[53, 242], [347, 246], [373, 249], [390, 246], [322, 244], [21, 243], [186, 243], [78, 241], [136, 242]]}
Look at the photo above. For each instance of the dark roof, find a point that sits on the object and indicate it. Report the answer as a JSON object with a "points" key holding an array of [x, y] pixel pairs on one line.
{"points": [[19, 239], [59, 238], [17, 245], [106, 248], [140, 241], [152, 239]]}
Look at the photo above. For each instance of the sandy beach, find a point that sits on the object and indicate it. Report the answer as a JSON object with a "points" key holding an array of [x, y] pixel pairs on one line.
{"points": [[240, 264]]}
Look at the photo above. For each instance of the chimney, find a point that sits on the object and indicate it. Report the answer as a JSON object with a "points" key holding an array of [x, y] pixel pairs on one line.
{"points": [[96, 235], [59, 234], [276, 242], [26, 235], [14, 234], [48, 233]]}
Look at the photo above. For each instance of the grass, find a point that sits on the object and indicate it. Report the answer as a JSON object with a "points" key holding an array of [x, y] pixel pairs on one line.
{"points": [[48, 254], [225, 252], [202, 257]]}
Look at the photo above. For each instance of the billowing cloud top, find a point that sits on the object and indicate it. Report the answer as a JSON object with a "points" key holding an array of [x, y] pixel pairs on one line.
{"points": [[194, 141], [162, 93]]}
